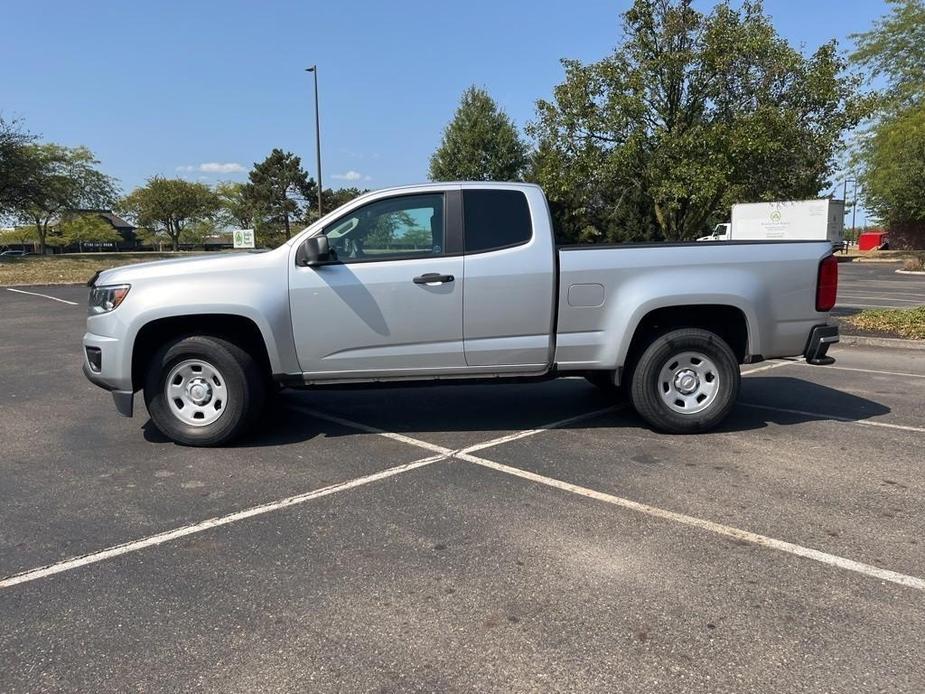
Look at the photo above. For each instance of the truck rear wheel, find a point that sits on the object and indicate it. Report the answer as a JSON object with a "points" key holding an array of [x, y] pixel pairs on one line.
{"points": [[686, 381], [203, 390]]}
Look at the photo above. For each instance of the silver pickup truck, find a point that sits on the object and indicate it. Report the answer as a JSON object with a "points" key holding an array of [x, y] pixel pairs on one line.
{"points": [[452, 282]]}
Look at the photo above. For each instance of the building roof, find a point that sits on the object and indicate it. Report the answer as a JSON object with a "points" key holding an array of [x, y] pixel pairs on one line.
{"points": [[116, 220], [110, 216]]}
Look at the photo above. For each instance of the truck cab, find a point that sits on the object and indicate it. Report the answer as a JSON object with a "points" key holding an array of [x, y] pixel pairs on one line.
{"points": [[720, 233]]}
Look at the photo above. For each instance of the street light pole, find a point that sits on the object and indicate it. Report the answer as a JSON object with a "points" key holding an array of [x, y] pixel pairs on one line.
{"points": [[314, 70]]}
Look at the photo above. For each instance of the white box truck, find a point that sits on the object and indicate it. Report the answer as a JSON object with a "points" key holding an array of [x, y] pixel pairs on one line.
{"points": [[799, 220]]}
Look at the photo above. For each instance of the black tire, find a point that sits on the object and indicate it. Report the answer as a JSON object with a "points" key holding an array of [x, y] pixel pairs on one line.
{"points": [[242, 379], [649, 392]]}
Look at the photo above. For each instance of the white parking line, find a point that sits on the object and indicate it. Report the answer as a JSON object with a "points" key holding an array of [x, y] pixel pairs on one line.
{"points": [[866, 371], [449, 451], [729, 531], [349, 423], [773, 365], [802, 362], [465, 454], [44, 296], [868, 297], [161, 538], [820, 415]]}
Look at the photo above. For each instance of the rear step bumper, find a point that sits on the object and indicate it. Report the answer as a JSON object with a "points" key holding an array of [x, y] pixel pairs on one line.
{"points": [[819, 340]]}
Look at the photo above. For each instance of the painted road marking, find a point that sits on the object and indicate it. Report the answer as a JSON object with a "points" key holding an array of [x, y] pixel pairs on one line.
{"points": [[820, 415], [768, 367], [449, 451], [869, 297], [866, 371], [802, 362], [729, 531], [465, 454], [161, 538], [44, 296]]}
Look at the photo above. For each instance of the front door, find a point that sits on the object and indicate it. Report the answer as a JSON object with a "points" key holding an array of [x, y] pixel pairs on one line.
{"points": [[391, 304]]}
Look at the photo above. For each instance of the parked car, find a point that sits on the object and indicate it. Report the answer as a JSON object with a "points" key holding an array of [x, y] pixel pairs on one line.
{"points": [[13, 254], [453, 282]]}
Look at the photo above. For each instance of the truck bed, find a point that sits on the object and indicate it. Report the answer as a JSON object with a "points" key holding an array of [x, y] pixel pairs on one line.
{"points": [[605, 291]]}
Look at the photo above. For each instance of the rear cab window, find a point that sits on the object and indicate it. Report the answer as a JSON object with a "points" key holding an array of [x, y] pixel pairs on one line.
{"points": [[495, 219]]}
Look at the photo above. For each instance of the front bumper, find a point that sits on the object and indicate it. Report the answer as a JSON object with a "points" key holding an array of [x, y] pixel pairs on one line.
{"points": [[104, 365], [820, 338], [124, 400]]}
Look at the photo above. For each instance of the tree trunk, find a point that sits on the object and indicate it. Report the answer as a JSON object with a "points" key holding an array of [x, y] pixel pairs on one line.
{"points": [[286, 219], [41, 231]]}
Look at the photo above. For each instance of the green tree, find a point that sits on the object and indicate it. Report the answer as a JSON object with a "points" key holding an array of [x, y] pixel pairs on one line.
{"points": [[891, 153], [237, 205], [332, 199], [86, 228], [169, 205], [479, 144], [690, 114], [61, 179], [280, 189], [895, 48], [17, 167], [21, 235], [198, 232]]}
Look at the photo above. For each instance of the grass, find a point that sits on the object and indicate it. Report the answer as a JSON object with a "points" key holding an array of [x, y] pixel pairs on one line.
{"points": [[914, 264], [908, 323], [884, 255], [71, 268]]}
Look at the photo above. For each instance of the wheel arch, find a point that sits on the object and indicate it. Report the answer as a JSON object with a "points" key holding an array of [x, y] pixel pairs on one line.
{"points": [[726, 320], [238, 329]]}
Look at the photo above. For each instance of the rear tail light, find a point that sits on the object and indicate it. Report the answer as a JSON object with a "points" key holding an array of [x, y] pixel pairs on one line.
{"points": [[827, 284]]}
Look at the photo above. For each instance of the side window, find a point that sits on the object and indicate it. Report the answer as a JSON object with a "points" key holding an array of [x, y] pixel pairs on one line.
{"points": [[408, 226], [495, 219]]}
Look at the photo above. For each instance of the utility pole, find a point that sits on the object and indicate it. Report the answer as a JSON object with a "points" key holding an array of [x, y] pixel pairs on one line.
{"points": [[314, 70]]}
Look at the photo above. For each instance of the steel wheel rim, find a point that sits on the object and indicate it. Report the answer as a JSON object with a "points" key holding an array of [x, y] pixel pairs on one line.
{"points": [[196, 392], [688, 382]]}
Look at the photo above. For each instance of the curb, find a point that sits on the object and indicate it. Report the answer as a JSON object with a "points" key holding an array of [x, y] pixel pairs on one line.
{"points": [[891, 342], [910, 272]]}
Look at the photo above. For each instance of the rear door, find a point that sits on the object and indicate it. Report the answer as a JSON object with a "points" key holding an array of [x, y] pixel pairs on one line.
{"points": [[510, 278]]}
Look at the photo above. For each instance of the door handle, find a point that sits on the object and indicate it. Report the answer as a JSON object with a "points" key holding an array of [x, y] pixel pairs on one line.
{"points": [[433, 278]]}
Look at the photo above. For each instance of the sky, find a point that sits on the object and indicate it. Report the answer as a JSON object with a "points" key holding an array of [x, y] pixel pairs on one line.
{"points": [[202, 89]]}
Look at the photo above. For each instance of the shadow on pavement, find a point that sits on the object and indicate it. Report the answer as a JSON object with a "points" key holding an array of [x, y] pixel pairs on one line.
{"points": [[498, 409]]}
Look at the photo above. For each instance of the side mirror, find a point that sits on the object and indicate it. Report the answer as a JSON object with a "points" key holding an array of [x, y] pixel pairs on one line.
{"points": [[315, 250]]}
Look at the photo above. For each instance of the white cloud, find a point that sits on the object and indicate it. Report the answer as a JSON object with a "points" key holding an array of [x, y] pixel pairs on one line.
{"points": [[214, 167], [350, 176]]}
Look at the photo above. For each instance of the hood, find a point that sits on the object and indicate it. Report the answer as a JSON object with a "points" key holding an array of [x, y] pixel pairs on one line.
{"points": [[126, 274]]}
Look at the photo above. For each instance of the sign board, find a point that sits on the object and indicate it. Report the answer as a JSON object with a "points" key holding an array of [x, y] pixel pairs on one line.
{"points": [[243, 238]]}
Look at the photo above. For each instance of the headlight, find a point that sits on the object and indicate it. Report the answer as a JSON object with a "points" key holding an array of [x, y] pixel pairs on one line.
{"points": [[106, 299]]}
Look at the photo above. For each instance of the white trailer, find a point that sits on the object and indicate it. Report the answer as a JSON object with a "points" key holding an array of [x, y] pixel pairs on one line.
{"points": [[801, 220]]}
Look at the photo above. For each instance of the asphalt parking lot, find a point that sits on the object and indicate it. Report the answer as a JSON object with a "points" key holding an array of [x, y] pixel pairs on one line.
{"points": [[877, 285], [510, 538]]}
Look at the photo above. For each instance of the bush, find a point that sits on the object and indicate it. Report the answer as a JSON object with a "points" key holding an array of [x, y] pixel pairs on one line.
{"points": [[903, 322]]}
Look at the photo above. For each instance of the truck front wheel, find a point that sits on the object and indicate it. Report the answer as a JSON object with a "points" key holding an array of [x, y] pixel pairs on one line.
{"points": [[203, 390], [685, 381]]}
